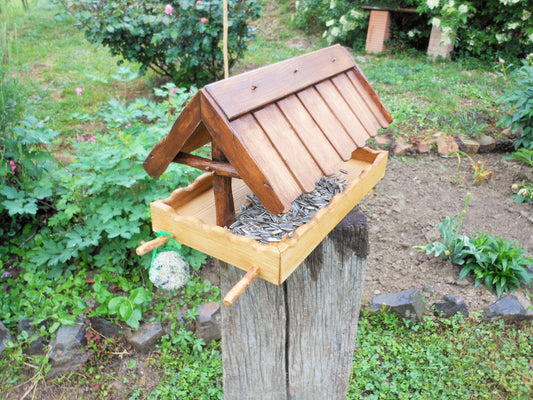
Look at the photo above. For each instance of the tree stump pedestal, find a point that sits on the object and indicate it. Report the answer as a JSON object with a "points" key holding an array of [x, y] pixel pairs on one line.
{"points": [[295, 341]]}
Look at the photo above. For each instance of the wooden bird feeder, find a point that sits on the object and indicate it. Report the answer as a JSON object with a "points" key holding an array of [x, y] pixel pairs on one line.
{"points": [[274, 132]]}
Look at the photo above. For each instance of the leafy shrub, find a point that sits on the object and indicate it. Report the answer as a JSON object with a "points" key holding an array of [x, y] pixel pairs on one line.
{"points": [[484, 30], [181, 40], [63, 225], [498, 263], [519, 101]]}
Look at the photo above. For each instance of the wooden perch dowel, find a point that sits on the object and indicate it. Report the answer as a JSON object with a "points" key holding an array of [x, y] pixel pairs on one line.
{"points": [[147, 247], [205, 164], [241, 286]]}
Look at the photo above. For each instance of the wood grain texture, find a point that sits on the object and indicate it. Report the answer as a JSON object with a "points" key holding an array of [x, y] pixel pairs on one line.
{"points": [[289, 146], [164, 152], [328, 122], [343, 112], [274, 199], [296, 341], [246, 92], [314, 140], [253, 340], [224, 205]]}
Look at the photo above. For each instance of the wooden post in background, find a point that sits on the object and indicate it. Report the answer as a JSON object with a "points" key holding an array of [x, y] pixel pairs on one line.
{"points": [[296, 341]]}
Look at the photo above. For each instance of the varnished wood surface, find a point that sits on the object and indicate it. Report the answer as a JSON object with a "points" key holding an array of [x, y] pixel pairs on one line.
{"points": [[164, 152], [205, 164], [281, 141], [296, 341], [246, 92], [224, 205], [193, 221]]}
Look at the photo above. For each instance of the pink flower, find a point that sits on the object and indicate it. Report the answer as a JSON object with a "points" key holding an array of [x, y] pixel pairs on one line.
{"points": [[174, 90], [91, 138], [79, 91], [203, 20], [168, 9], [198, 3], [501, 60], [12, 163], [78, 138], [128, 125], [5, 274]]}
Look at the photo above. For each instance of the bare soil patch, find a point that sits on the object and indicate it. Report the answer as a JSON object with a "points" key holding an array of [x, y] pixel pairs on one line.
{"points": [[407, 206]]}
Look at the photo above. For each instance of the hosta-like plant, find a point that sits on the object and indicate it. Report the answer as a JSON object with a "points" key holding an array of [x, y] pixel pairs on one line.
{"points": [[498, 263]]}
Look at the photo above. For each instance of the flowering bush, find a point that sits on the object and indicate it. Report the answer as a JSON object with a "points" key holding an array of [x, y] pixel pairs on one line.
{"points": [[482, 29], [178, 39], [518, 100]]}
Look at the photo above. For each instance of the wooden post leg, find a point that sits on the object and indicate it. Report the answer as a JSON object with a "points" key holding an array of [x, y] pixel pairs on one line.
{"points": [[378, 31], [296, 341]]}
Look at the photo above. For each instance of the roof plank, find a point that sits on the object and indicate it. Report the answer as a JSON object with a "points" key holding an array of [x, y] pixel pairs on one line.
{"points": [[358, 105], [275, 197], [328, 122], [290, 148], [343, 112], [310, 134], [164, 152], [363, 86], [246, 92], [260, 149]]}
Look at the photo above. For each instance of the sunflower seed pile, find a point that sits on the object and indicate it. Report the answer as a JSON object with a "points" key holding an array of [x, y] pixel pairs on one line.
{"points": [[257, 223]]}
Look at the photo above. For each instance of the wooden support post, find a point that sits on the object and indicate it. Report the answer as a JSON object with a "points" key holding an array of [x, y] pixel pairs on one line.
{"points": [[378, 31], [224, 206], [296, 341], [435, 47]]}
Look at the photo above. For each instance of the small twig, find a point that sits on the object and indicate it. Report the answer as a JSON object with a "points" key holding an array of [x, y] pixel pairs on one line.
{"points": [[29, 238]]}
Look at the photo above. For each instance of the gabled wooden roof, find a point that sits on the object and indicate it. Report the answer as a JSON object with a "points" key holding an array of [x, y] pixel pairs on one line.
{"points": [[281, 127]]}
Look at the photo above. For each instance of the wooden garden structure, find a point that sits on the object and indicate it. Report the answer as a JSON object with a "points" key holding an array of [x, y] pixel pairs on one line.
{"points": [[274, 132]]}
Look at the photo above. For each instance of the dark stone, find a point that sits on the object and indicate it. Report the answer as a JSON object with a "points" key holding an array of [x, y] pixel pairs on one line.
{"points": [[450, 306], [67, 350], [208, 322], [408, 304], [146, 337], [4, 337], [508, 308], [104, 327], [36, 344]]}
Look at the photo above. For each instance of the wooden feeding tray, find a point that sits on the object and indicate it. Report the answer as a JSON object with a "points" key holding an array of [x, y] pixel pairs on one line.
{"points": [[189, 215], [274, 132]]}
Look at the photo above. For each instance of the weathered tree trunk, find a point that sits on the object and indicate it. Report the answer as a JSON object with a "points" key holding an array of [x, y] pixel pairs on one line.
{"points": [[296, 340]]}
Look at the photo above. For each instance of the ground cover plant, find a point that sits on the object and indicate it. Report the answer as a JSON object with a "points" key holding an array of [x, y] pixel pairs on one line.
{"points": [[74, 206]]}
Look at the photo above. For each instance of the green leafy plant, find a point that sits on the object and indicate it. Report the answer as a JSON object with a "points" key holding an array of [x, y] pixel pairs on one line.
{"points": [[454, 247], [498, 263], [518, 100], [523, 191], [181, 40]]}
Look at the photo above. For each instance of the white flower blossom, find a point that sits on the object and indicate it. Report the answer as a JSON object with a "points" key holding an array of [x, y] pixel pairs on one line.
{"points": [[356, 14], [525, 15], [530, 37], [435, 22], [432, 3], [512, 26], [332, 5], [343, 20], [446, 30], [450, 4], [330, 22], [411, 34], [335, 31], [463, 8], [445, 39]]}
